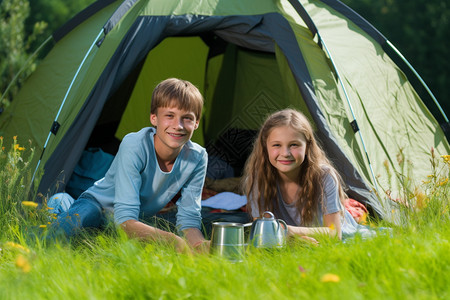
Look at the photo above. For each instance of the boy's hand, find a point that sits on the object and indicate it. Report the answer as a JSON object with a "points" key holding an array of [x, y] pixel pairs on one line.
{"points": [[181, 246], [202, 246], [196, 240]]}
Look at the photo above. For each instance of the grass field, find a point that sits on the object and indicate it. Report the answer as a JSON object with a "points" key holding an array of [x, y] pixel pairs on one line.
{"points": [[410, 262]]}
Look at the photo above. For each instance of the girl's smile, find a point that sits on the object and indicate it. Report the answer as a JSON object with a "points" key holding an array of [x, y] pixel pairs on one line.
{"points": [[286, 149]]}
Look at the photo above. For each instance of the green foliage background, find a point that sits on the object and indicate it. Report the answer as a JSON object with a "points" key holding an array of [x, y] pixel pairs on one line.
{"points": [[24, 26], [419, 29]]}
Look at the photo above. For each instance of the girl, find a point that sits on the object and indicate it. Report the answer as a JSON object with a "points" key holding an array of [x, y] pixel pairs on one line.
{"points": [[288, 174]]}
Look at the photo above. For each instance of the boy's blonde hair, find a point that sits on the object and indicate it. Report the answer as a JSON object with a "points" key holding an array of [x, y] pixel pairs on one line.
{"points": [[178, 93], [261, 178]]}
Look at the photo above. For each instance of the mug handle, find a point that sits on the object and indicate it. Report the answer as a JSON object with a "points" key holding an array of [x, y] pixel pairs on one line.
{"points": [[285, 226]]}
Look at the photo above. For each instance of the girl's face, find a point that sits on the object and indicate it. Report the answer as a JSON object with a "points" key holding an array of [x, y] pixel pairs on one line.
{"points": [[286, 149]]}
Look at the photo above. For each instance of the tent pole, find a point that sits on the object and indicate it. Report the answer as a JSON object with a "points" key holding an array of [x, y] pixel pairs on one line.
{"points": [[63, 102], [351, 108], [420, 79], [314, 30]]}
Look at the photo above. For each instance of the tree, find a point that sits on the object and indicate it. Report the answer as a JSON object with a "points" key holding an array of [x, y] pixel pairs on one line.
{"points": [[53, 12], [24, 27]]}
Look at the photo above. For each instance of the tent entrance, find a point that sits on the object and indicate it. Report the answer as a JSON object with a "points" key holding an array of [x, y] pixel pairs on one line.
{"points": [[241, 87]]}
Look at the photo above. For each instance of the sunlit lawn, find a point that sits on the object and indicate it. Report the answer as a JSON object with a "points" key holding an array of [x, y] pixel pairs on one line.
{"points": [[410, 262]]}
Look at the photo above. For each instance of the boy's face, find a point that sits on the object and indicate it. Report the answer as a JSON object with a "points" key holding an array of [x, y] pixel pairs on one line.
{"points": [[174, 127]]}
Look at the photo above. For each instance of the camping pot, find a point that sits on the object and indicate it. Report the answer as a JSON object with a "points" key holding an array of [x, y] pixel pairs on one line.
{"points": [[268, 232], [227, 240]]}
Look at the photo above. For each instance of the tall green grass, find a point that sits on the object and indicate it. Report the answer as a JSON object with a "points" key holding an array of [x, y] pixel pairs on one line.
{"points": [[410, 262]]}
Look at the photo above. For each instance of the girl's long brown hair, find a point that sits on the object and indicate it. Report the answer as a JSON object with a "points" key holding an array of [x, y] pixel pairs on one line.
{"points": [[260, 177]]}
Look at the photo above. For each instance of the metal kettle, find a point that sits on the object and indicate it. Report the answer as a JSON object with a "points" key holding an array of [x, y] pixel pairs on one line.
{"points": [[268, 232]]}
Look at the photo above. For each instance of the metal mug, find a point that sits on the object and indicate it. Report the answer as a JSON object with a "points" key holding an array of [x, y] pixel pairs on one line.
{"points": [[268, 232], [227, 240]]}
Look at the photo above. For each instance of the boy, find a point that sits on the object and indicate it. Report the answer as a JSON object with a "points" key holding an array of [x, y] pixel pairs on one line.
{"points": [[150, 168]]}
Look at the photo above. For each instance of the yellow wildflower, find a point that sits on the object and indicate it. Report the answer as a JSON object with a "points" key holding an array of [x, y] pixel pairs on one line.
{"points": [[23, 264], [15, 137], [443, 182], [421, 199], [29, 204], [1, 138], [446, 158], [329, 277], [16, 246], [21, 148], [42, 226], [16, 146]]}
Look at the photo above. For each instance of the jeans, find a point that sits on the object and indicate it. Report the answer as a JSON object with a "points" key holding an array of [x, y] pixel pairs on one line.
{"points": [[85, 212]]}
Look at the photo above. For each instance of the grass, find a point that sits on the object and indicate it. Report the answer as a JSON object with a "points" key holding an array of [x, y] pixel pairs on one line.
{"points": [[410, 262]]}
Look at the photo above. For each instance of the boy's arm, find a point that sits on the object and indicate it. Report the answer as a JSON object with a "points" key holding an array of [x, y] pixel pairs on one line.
{"points": [[141, 231], [189, 206]]}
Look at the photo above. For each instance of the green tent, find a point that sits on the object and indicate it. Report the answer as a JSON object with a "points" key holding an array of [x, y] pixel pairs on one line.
{"points": [[249, 58]]}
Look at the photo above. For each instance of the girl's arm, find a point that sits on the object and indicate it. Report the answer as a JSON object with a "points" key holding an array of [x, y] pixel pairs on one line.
{"points": [[332, 227], [307, 231], [333, 223]]}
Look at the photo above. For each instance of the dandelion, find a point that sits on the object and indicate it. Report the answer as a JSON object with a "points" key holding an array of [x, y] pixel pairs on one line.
{"points": [[13, 245], [446, 158], [329, 277], [23, 264], [29, 204], [15, 137], [42, 226]]}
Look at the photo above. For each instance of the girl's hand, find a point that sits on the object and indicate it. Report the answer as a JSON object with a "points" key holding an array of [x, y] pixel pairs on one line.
{"points": [[310, 239]]}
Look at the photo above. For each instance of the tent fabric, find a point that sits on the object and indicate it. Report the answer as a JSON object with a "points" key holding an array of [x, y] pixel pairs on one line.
{"points": [[249, 58]]}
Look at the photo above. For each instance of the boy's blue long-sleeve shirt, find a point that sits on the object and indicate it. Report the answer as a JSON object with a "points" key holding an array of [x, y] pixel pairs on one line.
{"points": [[135, 186]]}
